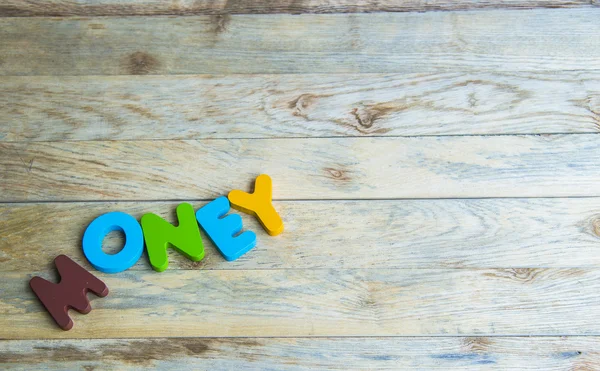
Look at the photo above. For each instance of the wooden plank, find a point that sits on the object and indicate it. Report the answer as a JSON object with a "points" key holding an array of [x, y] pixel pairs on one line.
{"points": [[372, 234], [319, 302], [264, 106], [496, 40], [291, 354], [29, 8], [314, 168]]}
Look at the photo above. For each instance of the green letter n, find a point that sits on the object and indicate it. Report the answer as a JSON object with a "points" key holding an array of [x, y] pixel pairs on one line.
{"points": [[185, 238]]}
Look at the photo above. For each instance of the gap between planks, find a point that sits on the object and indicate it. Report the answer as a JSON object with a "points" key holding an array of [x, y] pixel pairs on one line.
{"points": [[88, 8], [294, 200]]}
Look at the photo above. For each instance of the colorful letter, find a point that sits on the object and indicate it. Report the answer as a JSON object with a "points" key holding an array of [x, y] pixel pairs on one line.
{"points": [[221, 230], [185, 238], [99, 228], [259, 204], [70, 292]]}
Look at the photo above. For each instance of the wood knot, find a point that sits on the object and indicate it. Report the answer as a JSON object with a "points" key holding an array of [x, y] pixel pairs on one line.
{"points": [[220, 22], [365, 117], [595, 226], [340, 175], [300, 104], [335, 173], [476, 344], [140, 63], [524, 275], [367, 302]]}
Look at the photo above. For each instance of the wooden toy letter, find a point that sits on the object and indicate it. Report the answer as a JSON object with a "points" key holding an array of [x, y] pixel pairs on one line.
{"points": [[185, 238], [70, 292], [97, 230], [259, 204], [221, 229]]}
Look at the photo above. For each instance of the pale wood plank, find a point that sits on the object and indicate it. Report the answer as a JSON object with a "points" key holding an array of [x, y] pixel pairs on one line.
{"points": [[28, 8], [346, 234], [244, 106], [496, 40], [291, 354], [314, 168], [298, 302]]}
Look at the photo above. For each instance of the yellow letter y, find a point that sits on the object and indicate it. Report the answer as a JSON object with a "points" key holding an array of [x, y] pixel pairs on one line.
{"points": [[259, 204]]}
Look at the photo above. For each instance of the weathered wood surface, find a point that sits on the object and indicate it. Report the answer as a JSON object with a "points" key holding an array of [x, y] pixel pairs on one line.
{"points": [[496, 40], [345, 234], [269, 106], [451, 353], [377, 271], [319, 302], [28, 8], [303, 168]]}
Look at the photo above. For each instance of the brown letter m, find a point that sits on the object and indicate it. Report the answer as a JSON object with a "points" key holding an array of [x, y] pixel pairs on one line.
{"points": [[70, 292]]}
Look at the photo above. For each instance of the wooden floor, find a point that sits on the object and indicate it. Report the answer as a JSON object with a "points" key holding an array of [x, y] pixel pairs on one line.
{"points": [[436, 164]]}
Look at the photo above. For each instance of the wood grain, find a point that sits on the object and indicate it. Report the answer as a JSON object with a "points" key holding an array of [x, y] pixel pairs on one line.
{"points": [[268, 106], [495, 40], [346, 234], [314, 168], [434, 353], [319, 302], [362, 278], [28, 8]]}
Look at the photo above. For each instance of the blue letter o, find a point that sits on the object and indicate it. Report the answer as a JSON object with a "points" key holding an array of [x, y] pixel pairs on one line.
{"points": [[99, 228]]}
